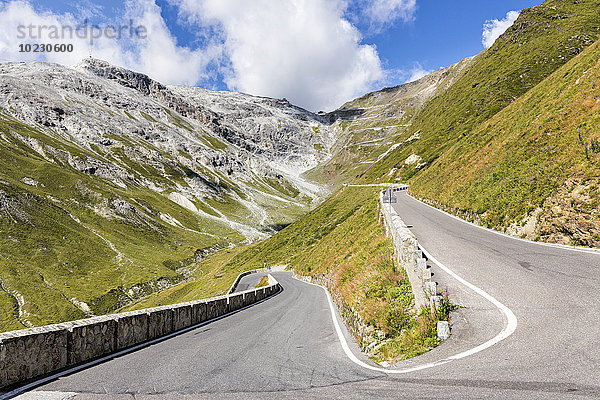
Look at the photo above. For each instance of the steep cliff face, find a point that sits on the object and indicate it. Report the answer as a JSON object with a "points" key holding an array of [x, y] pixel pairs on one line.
{"points": [[272, 128], [142, 177]]}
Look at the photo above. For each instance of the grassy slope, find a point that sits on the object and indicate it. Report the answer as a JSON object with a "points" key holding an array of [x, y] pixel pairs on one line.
{"points": [[529, 51], [311, 244], [518, 158], [129, 241], [542, 40], [368, 126], [484, 153], [342, 236], [264, 281], [48, 258], [212, 277]]}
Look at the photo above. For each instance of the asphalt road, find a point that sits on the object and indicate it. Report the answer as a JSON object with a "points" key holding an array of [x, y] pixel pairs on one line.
{"points": [[249, 281], [286, 346]]}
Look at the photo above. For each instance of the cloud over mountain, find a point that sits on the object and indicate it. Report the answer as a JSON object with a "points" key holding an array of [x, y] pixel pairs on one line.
{"points": [[493, 28], [308, 51]]}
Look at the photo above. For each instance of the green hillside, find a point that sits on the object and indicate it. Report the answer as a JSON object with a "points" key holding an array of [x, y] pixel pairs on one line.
{"points": [[68, 238], [517, 162], [311, 244], [343, 237], [108, 194], [508, 138], [519, 170], [370, 126]]}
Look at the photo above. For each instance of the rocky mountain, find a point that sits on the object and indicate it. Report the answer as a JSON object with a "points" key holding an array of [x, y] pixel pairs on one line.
{"points": [[114, 186], [120, 183], [370, 127]]}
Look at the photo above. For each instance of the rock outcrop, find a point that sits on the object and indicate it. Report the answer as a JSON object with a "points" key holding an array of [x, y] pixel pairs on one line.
{"points": [[200, 144]]}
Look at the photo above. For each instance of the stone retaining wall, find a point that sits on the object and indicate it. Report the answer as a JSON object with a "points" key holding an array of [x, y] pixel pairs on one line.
{"points": [[241, 275], [31, 353], [409, 255]]}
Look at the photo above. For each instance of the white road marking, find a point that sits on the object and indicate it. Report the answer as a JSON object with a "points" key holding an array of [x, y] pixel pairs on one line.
{"points": [[509, 328]]}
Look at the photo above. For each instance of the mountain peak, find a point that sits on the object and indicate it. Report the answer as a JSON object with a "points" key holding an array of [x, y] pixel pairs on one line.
{"points": [[125, 77]]}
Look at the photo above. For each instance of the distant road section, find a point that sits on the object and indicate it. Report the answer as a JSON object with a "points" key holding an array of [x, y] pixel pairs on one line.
{"points": [[249, 281], [286, 347]]}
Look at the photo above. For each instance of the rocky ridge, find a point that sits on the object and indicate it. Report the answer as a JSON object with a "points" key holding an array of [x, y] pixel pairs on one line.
{"points": [[221, 140], [371, 126], [114, 185]]}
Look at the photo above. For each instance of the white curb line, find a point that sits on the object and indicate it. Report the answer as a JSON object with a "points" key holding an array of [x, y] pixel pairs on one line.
{"points": [[511, 326]]}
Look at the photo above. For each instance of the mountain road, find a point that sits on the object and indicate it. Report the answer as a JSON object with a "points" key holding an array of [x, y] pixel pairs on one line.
{"points": [[287, 346]]}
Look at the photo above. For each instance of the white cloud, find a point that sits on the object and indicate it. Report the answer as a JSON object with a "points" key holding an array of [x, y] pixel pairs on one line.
{"points": [[159, 56], [417, 72], [493, 28], [303, 50], [410, 73], [156, 55], [382, 12]]}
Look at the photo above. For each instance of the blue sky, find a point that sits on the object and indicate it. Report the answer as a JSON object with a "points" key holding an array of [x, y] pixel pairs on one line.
{"points": [[442, 33], [316, 53]]}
